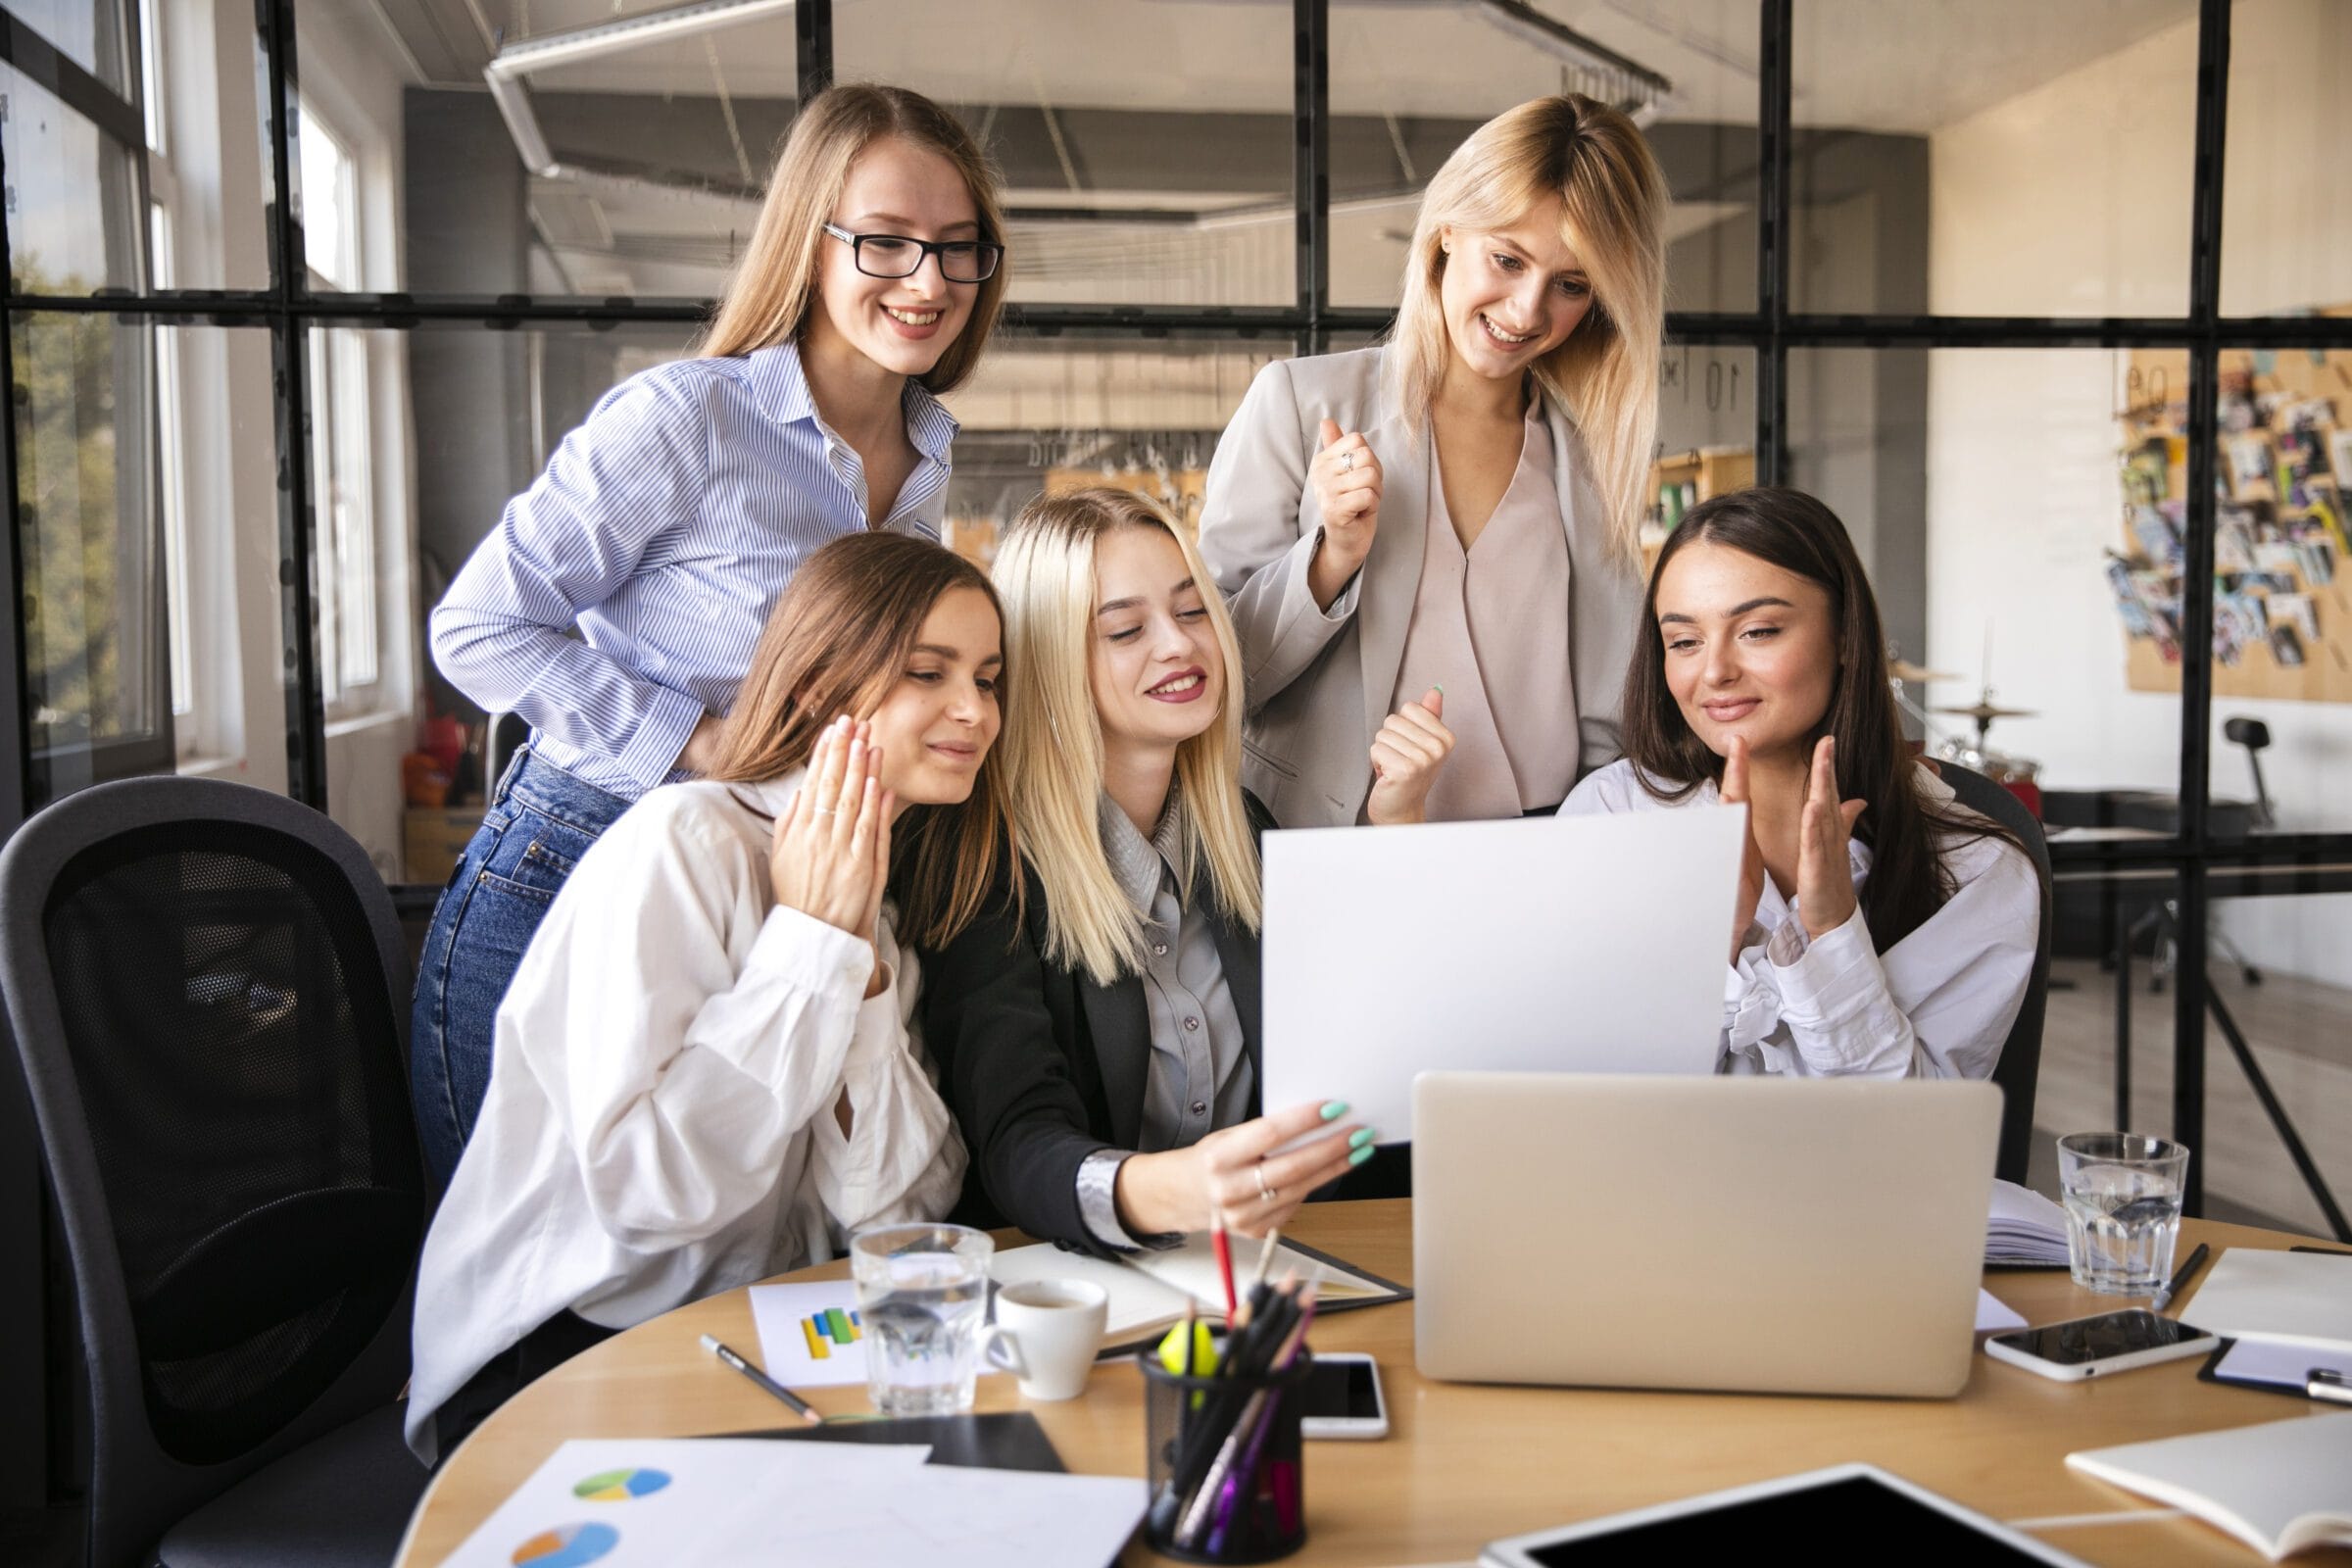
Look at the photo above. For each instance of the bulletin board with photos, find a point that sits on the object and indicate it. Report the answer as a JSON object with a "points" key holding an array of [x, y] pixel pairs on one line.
{"points": [[2282, 604]]}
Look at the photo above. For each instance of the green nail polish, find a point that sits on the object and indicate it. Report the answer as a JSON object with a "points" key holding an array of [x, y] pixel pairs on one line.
{"points": [[1334, 1110], [1362, 1138], [1360, 1156]]}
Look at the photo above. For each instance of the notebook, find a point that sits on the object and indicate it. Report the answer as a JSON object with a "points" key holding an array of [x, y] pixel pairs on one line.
{"points": [[2281, 1488], [1149, 1290], [2026, 1230], [2272, 1295]]}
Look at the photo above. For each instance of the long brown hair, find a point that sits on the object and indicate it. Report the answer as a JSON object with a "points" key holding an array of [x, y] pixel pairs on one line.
{"points": [[1908, 879], [774, 287], [837, 642]]}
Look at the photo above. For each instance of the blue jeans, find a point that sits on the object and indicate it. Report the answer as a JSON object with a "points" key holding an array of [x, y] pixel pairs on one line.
{"points": [[541, 820]]}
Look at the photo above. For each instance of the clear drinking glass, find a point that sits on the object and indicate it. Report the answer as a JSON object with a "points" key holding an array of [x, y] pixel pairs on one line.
{"points": [[922, 1290], [2122, 1208]]}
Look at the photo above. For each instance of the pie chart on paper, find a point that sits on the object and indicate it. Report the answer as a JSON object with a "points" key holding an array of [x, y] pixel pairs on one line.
{"points": [[566, 1546], [620, 1486]]}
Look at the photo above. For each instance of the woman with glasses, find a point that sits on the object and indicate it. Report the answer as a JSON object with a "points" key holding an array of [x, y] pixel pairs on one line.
{"points": [[667, 524], [1437, 536]]}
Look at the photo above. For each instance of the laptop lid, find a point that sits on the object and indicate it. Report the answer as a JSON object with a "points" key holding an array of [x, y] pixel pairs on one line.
{"points": [[1797, 1236], [1561, 945]]}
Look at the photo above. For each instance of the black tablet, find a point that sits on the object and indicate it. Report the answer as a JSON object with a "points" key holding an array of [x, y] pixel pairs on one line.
{"points": [[1852, 1512]]}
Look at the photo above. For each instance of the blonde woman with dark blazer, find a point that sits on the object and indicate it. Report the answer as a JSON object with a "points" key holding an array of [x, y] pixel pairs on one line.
{"points": [[1436, 538]]}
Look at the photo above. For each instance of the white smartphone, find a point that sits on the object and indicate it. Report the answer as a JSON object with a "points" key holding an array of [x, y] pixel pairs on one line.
{"points": [[1344, 1397], [2093, 1346]]}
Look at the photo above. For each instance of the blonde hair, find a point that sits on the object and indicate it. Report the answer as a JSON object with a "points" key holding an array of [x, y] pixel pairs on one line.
{"points": [[1052, 745], [1605, 375], [837, 642], [774, 287]]}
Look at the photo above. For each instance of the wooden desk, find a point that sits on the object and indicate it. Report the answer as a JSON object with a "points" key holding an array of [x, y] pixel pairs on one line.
{"points": [[1465, 1464]]}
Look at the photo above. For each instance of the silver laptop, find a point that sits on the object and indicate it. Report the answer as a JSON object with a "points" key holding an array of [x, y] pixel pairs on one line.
{"points": [[1494, 947], [1755, 1234]]}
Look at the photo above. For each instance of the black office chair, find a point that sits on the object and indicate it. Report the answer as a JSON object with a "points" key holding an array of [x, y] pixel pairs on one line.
{"points": [[207, 990], [2019, 1070]]}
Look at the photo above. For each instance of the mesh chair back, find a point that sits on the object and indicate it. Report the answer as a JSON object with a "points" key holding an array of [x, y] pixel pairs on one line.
{"points": [[207, 990], [2019, 1071]]}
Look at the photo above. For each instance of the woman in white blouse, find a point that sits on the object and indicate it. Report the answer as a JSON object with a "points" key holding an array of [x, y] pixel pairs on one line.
{"points": [[1456, 510], [707, 1069], [1881, 930]]}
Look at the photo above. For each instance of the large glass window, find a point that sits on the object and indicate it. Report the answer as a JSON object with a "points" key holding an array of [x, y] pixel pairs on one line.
{"points": [[1144, 144], [559, 147], [2281, 653], [1410, 82], [2003, 158], [97, 688], [2286, 212], [76, 223]]}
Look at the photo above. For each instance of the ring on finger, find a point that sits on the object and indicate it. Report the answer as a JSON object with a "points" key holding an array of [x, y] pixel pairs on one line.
{"points": [[824, 810], [1346, 461], [1265, 1193]]}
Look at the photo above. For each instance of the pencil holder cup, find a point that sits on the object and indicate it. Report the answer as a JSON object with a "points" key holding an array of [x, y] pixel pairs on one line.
{"points": [[1224, 1463]]}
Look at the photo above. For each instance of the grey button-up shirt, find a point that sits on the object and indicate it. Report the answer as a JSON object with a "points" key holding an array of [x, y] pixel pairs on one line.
{"points": [[1200, 1077]]}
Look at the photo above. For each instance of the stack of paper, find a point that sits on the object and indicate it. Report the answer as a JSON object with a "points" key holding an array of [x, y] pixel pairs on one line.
{"points": [[737, 1503], [2255, 1292], [2025, 1229]]}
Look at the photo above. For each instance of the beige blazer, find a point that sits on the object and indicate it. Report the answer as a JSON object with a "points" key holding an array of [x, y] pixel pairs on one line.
{"points": [[1317, 683]]}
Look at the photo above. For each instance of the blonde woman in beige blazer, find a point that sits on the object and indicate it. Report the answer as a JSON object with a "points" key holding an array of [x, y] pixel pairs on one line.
{"points": [[1514, 405]]}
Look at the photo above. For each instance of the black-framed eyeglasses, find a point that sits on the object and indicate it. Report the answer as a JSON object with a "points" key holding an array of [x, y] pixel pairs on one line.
{"points": [[961, 261]]}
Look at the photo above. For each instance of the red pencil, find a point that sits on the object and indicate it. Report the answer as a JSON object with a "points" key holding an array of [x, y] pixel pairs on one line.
{"points": [[1224, 1248]]}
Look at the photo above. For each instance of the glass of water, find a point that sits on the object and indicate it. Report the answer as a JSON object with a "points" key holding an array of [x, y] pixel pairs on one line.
{"points": [[2123, 1209], [922, 1290]]}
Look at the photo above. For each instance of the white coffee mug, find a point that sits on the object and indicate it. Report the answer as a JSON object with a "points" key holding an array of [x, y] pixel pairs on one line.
{"points": [[1046, 1334]]}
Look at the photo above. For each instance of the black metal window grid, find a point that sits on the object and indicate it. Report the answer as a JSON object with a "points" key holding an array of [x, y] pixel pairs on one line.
{"points": [[287, 309]]}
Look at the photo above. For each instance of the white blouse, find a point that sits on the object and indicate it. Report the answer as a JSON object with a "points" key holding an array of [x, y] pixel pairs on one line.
{"points": [[1937, 1004], [660, 1124]]}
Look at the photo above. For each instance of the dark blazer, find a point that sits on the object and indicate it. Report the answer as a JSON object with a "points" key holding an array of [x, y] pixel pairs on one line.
{"points": [[1041, 1066]]}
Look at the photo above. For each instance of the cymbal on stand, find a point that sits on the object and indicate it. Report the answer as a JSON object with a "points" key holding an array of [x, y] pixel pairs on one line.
{"points": [[1985, 712], [1903, 670]]}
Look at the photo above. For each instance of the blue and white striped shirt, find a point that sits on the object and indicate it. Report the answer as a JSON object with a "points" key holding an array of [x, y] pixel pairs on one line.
{"points": [[665, 528]]}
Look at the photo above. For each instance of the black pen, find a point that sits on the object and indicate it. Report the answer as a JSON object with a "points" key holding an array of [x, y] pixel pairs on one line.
{"points": [[762, 1379], [2181, 1276]]}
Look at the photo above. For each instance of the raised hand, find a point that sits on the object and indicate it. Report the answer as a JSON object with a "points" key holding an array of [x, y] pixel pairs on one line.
{"points": [[829, 853], [1825, 872], [1751, 859], [1346, 476], [1234, 1173], [1411, 747]]}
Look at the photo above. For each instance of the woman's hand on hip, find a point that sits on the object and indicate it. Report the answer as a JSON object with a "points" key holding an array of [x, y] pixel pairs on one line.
{"points": [[1411, 747], [831, 850], [1346, 477], [1235, 1173]]}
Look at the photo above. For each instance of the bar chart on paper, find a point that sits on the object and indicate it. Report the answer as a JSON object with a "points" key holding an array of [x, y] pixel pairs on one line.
{"points": [[810, 1335]]}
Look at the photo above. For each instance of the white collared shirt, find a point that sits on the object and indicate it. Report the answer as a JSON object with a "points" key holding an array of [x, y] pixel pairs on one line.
{"points": [[1937, 1004], [660, 1124]]}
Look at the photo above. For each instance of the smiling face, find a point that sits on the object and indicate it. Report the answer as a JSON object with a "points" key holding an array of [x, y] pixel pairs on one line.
{"points": [[1153, 662], [936, 725], [904, 325], [1511, 295], [1750, 649]]}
